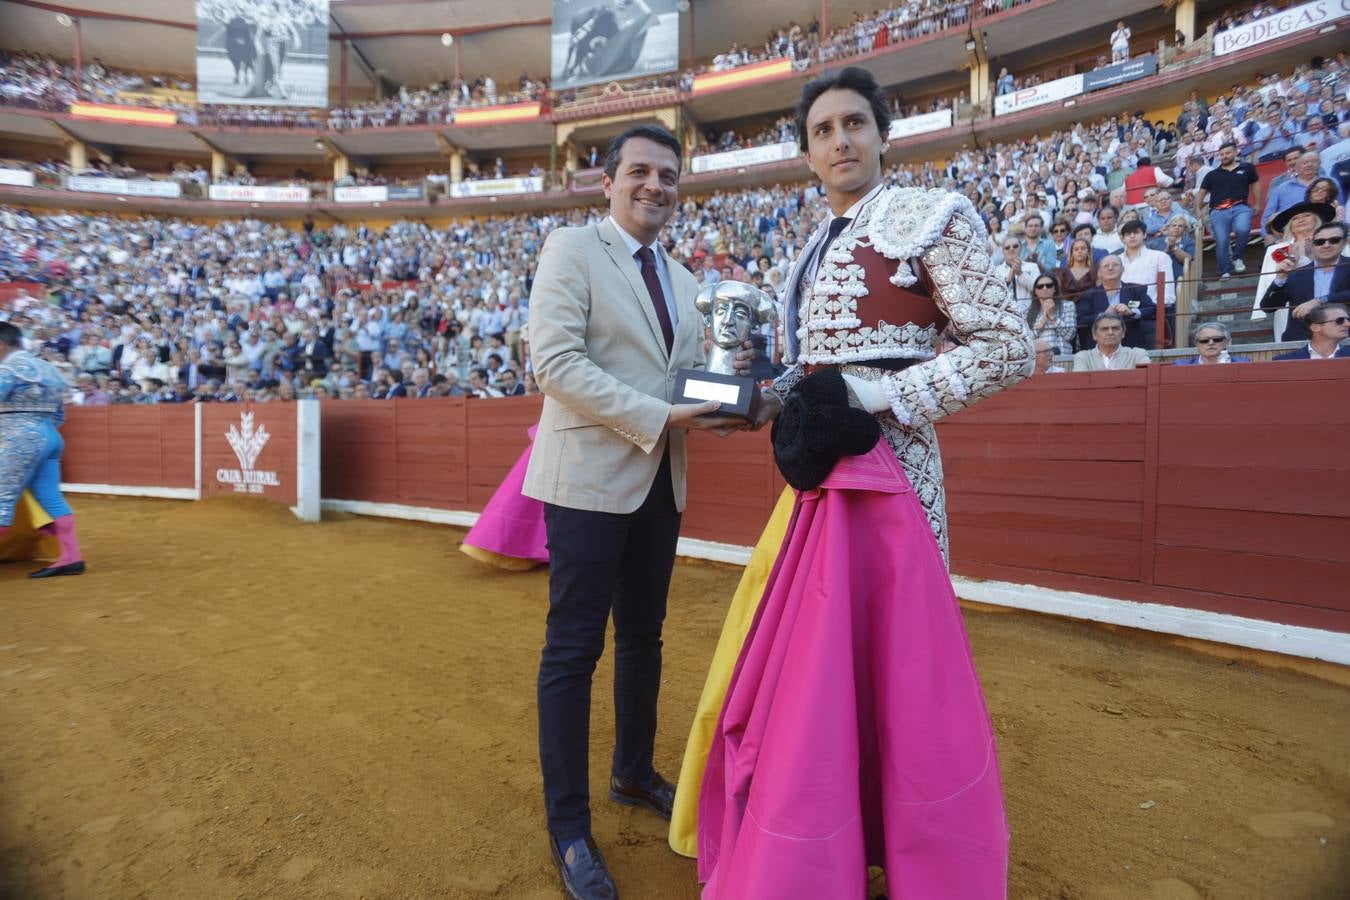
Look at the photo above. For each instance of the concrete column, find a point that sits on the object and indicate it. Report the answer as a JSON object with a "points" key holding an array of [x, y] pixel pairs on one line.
{"points": [[342, 166], [573, 159], [77, 155], [979, 81], [1186, 19], [220, 165], [342, 73], [456, 167]]}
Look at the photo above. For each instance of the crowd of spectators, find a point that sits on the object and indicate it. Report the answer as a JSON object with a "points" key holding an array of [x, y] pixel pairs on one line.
{"points": [[863, 34], [43, 82], [152, 310]]}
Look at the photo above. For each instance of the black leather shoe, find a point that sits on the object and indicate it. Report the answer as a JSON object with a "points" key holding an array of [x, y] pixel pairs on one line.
{"points": [[582, 867], [75, 568], [659, 796]]}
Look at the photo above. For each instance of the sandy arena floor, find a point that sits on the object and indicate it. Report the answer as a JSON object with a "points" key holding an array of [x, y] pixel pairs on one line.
{"points": [[235, 705]]}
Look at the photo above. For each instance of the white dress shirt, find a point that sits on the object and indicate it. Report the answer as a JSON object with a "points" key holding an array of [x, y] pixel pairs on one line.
{"points": [[1144, 269], [662, 273]]}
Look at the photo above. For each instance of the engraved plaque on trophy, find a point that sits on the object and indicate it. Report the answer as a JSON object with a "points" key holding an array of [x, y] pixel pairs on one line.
{"points": [[735, 310]]}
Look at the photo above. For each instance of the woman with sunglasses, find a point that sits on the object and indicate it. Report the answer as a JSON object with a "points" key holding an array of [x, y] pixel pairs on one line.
{"points": [[1052, 318], [1212, 340], [1059, 233]]}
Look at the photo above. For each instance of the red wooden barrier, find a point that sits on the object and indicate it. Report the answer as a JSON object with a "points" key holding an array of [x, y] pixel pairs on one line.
{"points": [[11, 289], [134, 446], [1223, 489]]}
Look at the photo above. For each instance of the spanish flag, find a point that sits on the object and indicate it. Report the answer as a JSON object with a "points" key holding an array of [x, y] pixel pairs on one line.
{"points": [[126, 115], [716, 81]]}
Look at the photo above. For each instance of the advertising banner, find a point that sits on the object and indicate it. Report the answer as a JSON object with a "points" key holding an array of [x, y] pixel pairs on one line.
{"points": [[611, 40], [378, 193], [750, 156], [124, 188], [1120, 73], [365, 194], [262, 52], [17, 177], [1281, 24], [1049, 92], [259, 193], [263, 450], [492, 186], [934, 121]]}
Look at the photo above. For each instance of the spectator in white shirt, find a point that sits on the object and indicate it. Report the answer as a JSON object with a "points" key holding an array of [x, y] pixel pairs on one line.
{"points": [[1143, 265], [1120, 43]]}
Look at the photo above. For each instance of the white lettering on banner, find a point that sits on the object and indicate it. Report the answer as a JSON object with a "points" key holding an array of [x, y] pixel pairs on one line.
{"points": [[492, 186], [124, 188], [750, 156], [258, 193], [17, 177], [1281, 24], [367, 194], [247, 442], [912, 125], [1059, 89]]}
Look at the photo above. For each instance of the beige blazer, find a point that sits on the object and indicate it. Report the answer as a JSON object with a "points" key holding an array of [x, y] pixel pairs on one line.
{"points": [[1126, 358], [602, 365]]}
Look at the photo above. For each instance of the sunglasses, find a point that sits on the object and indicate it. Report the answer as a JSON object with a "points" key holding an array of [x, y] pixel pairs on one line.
{"points": [[1045, 286], [1339, 320], [1322, 242], [1210, 340]]}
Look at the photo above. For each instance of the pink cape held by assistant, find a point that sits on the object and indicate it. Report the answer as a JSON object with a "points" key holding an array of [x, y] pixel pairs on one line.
{"points": [[510, 531], [854, 731]]}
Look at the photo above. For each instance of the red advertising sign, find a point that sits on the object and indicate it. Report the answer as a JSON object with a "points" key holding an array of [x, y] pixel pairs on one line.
{"points": [[250, 449]]}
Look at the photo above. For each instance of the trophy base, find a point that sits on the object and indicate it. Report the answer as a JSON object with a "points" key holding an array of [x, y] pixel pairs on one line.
{"points": [[736, 393]]}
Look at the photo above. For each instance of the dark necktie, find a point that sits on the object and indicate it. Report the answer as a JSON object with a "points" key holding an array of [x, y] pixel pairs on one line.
{"points": [[653, 281], [837, 225]]}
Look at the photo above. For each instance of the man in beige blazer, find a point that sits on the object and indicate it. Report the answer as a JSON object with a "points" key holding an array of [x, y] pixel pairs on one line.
{"points": [[1108, 331], [612, 318]]}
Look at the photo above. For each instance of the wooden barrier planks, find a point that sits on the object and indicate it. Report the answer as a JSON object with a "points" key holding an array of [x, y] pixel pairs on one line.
{"points": [[1214, 488]]}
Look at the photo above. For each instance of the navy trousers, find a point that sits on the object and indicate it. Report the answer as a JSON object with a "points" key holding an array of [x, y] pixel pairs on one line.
{"points": [[602, 563]]}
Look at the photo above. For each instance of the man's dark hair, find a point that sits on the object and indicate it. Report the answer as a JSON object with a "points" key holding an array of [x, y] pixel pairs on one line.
{"points": [[1132, 226], [1232, 144], [1144, 161], [1085, 226], [10, 335], [855, 79], [1338, 225], [1323, 313], [1103, 316], [1105, 207], [654, 133]]}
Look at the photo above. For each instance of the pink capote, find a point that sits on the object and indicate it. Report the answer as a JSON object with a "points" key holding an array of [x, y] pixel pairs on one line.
{"points": [[854, 731], [512, 524]]}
